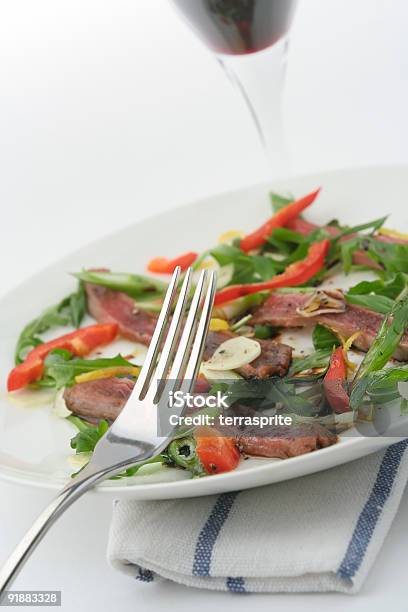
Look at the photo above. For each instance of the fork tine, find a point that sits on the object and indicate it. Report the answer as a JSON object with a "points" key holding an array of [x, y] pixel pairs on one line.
{"points": [[153, 351], [201, 335], [170, 343], [183, 352]]}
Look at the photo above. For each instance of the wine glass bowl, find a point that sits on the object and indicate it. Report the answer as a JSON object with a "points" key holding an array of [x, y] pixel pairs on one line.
{"points": [[236, 27], [250, 41]]}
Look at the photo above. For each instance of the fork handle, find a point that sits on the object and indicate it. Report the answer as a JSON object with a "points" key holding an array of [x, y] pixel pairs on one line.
{"points": [[47, 518]]}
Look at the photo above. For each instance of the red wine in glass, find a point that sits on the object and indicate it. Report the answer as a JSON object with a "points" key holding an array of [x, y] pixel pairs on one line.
{"points": [[239, 26], [249, 38]]}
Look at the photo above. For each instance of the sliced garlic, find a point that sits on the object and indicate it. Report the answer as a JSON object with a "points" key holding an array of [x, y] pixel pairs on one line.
{"points": [[234, 353], [321, 302], [218, 374]]}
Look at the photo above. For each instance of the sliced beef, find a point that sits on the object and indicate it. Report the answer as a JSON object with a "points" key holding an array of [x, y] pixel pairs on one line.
{"points": [[280, 310], [106, 305], [274, 359], [99, 399], [285, 441]]}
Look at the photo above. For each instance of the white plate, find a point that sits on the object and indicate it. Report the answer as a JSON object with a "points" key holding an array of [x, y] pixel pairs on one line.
{"points": [[34, 444]]}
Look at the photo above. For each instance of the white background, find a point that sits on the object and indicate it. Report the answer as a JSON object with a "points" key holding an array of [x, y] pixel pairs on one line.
{"points": [[111, 110]]}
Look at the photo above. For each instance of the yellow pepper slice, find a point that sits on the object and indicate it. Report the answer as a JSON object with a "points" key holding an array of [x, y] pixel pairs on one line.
{"points": [[392, 233], [218, 325], [229, 236], [107, 373]]}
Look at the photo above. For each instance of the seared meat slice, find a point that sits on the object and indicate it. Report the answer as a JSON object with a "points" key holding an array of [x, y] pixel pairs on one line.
{"points": [[99, 399], [106, 305], [284, 441], [274, 359], [279, 310]]}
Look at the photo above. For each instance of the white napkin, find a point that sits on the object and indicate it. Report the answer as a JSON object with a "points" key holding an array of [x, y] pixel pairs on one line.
{"points": [[317, 533]]}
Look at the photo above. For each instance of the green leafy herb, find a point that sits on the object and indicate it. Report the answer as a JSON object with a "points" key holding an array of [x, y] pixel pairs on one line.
{"points": [[324, 338], [60, 369], [390, 286], [69, 311], [376, 303], [317, 360], [135, 285], [279, 201], [388, 337], [371, 225], [88, 435], [247, 268]]}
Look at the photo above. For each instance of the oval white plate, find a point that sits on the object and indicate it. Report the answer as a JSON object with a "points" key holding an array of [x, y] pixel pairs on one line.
{"points": [[34, 444]]}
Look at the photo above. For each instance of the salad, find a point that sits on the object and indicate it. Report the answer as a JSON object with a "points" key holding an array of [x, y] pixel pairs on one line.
{"points": [[272, 282]]}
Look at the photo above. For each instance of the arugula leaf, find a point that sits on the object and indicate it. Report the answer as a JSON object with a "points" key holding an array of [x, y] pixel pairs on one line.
{"points": [[278, 201], [135, 285], [347, 250], [60, 369], [390, 286], [247, 268], [324, 338], [372, 225], [88, 435], [376, 303], [319, 359], [392, 256], [77, 306], [69, 311]]}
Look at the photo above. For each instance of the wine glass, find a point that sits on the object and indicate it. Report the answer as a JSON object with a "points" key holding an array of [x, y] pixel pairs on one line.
{"points": [[250, 40]]}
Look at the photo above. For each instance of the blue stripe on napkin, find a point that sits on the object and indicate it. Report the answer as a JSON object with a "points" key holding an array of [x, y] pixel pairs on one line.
{"points": [[236, 585], [372, 509], [144, 575], [209, 533]]}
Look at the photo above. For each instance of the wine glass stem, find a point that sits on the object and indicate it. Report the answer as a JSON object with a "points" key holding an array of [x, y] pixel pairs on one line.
{"points": [[260, 78]]}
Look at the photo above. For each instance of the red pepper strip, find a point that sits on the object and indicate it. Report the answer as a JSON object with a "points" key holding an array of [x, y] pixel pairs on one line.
{"points": [[280, 219], [161, 265], [297, 273], [216, 453], [79, 343], [334, 382]]}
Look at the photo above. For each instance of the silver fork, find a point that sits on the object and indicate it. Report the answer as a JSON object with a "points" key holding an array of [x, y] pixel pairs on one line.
{"points": [[133, 438]]}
